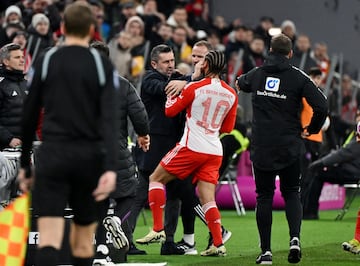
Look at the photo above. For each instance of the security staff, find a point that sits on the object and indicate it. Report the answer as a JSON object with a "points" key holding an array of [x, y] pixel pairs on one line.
{"points": [[277, 145]]}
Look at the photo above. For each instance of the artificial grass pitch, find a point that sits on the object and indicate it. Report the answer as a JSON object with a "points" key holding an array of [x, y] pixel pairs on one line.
{"points": [[320, 240]]}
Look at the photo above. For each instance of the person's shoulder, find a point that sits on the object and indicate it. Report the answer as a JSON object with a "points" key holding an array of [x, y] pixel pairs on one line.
{"points": [[153, 74]]}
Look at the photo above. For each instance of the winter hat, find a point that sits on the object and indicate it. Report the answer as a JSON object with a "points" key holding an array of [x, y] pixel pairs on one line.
{"points": [[13, 9], [36, 19]]}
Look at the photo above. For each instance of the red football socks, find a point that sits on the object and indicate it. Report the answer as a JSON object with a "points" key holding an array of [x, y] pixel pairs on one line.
{"points": [[157, 204], [212, 216]]}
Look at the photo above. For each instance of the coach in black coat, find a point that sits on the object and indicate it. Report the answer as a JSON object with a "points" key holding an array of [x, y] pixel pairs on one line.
{"points": [[130, 106], [164, 131]]}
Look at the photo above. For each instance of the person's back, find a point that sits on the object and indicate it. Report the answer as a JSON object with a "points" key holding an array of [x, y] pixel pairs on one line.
{"points": [[277, 145], [279, 87], [75, 83], [76, 161], [212, 99]]}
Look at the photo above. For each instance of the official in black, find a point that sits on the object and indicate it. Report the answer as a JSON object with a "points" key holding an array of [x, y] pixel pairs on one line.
{"points": [[277, 145]]}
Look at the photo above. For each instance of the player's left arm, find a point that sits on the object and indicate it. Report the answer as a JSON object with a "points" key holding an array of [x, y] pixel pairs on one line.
{"points": [[229, 121]]}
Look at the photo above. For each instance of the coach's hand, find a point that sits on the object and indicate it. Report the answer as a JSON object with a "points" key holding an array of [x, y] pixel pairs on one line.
{"points": [[106, 185]]}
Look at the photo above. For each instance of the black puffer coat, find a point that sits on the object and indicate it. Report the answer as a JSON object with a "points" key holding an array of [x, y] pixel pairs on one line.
{"points": [[130, 105], [13, 91]]}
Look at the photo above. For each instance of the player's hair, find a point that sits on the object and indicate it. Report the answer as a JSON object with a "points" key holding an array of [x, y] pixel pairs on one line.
{"points": [[216, 62]]}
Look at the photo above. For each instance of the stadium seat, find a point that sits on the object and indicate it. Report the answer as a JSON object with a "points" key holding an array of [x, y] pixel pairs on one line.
{"points": [[349, 199]]}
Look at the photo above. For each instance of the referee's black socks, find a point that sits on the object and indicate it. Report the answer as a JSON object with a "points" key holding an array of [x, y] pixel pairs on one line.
{"points": [[82, 261], [47, 256]]}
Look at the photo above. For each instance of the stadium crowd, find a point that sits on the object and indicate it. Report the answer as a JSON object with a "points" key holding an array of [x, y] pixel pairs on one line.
{"points": [[131, 29]]}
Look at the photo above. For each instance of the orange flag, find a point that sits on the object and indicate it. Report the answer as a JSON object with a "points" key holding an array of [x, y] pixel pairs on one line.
{"points": [[14, 230]]}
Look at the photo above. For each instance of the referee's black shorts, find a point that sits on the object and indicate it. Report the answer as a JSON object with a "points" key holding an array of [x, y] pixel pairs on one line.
{"points": [[66, 174]]}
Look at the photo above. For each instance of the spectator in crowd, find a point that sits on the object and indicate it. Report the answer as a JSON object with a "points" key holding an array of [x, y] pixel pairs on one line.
{"points": [[223, 28], [98, 10], [257, 51], [40, 36], [130, 106], [112, 13], [13, 91], [348, 100], [20, 38], [135, 27], [164, 131], [199, 15], [12, 16], [289, 29], [46, 7], [151, 16], [237, 54], [266, 23], [302, 54], [239, 41], [165, 31], [120, 53], [8, 30], [83, 150], [322, 58], [338, 167], [214, 39], [181, 48], [179, 17], [191, 158], [128, 10], [276, 143]]}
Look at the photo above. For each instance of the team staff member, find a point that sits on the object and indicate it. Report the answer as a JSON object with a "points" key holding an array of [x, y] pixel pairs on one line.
{"points": [[164, 131], [130, 107], [277, 144], [13, 91], [76, 161]]}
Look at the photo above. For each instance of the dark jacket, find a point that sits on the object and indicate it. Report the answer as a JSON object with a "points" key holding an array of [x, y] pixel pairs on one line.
{"points": [[348, 158], [79, 109], [37, 43], [130, 105], [13, 91], [303, 60], [277, 90], [164, 131]]}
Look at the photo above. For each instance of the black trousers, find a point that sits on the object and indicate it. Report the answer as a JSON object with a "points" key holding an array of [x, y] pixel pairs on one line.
{"points": [[181, 199], [140, 200], [312, 153], [290, 190], [332, 174], [122, 209]]}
